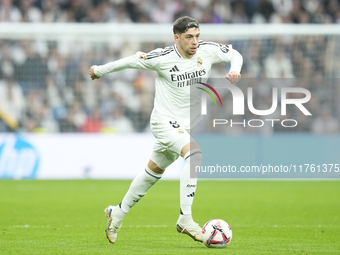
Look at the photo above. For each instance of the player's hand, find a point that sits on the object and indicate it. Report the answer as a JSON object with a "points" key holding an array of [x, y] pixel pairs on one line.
{"points": [[92, 74], [233, 77]]}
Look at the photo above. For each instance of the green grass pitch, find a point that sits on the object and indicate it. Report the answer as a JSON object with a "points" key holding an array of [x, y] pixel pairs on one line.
{"points": [[267, 217]]}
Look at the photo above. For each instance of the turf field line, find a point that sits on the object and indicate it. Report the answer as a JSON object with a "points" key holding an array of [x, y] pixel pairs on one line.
{"points": [[30, 226], [34, 226]]}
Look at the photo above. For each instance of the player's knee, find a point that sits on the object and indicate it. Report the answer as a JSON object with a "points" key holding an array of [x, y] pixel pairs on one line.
{"points": [[152, 176], [189, 147], [154, 167], [195, 156]]}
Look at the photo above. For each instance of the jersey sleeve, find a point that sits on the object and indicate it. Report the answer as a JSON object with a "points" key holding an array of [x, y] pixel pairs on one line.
{"points": [[149, 60], [140, 60], [223, 53], [218, 52]]}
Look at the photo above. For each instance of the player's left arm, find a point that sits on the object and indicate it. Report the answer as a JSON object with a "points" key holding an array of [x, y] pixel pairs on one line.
{"points": [[236, 62], [226, 53]]}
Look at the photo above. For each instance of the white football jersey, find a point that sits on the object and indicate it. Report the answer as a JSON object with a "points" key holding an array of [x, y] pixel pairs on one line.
{"points": [[175, 75]]}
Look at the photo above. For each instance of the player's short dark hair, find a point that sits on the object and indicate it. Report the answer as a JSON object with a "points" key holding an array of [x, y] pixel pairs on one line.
{"points": [[182, 24]]}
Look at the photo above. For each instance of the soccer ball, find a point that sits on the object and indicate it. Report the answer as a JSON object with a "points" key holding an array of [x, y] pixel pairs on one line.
{"points": [[216, 234]]}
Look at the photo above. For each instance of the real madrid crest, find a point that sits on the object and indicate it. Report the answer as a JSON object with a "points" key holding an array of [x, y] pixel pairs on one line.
{"points": [[142, 55], [199, 61]]}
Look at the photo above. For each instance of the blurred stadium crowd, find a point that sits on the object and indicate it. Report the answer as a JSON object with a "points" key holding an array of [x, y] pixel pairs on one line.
{"points": [[45, 87], [161, 11]]}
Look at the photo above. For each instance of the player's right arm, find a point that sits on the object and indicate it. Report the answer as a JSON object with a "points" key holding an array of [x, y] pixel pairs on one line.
{"points": [[92, 74], [140, 60]]}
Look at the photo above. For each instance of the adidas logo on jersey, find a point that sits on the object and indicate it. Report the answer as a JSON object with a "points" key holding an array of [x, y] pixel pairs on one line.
{"points": [[174, 69], [191, 195]]}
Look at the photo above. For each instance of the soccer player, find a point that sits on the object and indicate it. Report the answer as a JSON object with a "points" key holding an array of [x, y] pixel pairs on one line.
{"points": [[177, 67]]}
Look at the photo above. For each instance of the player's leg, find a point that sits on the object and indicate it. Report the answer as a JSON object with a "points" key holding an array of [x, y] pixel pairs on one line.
{"points": [[160, 160], [178, 142], [138, 188], [188, 181], [188, 184]]}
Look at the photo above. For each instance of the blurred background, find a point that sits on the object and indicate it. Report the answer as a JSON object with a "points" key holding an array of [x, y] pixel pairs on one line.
{"points": [[45, 87], [47, 47]]}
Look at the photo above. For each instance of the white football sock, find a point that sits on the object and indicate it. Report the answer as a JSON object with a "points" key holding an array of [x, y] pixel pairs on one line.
{"points": [[118, 213], [138, 188], [188, 183], [185, 218]]}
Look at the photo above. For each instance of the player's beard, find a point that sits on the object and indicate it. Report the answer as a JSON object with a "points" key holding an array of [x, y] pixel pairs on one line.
{"points": [[189, 52]]}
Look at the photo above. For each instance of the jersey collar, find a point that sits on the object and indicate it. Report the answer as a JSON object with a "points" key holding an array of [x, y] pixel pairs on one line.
{"points": [[175, 48], [178, 54]]}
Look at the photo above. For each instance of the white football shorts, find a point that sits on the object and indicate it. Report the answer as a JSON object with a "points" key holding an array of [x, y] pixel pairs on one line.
{"points": [[171, 138]]}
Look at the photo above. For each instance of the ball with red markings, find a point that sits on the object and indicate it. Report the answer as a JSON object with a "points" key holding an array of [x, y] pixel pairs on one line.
{"points": [[216, 234]]}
